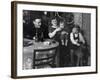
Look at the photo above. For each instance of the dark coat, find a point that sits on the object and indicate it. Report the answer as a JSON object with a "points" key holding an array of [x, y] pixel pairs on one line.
{"points": [[31, 31]]}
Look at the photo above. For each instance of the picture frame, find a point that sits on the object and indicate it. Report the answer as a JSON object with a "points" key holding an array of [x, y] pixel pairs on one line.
{"points": [[84, 15]]}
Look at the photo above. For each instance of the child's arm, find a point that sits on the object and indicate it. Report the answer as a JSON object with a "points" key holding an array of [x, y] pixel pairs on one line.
{"points": [[52, 34], [64, 32], [81, 38], [73, 41]]}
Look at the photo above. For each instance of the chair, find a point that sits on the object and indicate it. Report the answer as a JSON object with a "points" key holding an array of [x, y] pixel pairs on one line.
{"points": [[80, 54], [44, 58]]}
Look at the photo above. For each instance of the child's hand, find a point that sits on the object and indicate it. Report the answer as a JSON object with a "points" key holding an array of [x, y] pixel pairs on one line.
{"points": [[78, 44], [76, 40], [63, 32], [58, 29]]}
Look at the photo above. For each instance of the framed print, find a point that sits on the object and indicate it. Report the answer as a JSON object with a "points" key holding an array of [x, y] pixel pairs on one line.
{"points": [[52, 39]]}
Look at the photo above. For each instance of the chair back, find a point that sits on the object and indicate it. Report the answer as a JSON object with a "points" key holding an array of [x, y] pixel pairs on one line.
{"points": [[44, 58]]}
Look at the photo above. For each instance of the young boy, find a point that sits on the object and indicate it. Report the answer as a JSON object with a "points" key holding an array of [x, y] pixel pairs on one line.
{"points": [[76, 37], [64, 34], [77, 42], [64, 56]]}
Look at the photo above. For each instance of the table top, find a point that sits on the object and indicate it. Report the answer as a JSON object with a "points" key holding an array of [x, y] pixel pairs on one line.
{"points": [[47, 44], [31, 45]]}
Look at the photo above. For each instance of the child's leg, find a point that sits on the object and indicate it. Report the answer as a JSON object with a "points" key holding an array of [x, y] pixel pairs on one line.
{"points": [[66, 41], [62, 39], [72, 56], [79, 56], [62, 42]]}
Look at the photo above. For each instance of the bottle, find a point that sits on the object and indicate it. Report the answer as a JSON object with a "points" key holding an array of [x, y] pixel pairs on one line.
{"points": [[36, 36], [42, 37]]}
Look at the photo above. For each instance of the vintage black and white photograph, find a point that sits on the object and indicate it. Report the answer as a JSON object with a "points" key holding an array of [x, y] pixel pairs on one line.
{"points": [[61, 39], [55, 39]]}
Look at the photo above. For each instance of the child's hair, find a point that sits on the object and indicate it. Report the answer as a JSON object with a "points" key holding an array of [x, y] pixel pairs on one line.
{"points": [[62, 21], [52, 18], [77, 27]]}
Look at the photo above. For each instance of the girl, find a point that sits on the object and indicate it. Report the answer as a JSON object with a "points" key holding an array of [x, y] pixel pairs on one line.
{"points": [[54, 29]]}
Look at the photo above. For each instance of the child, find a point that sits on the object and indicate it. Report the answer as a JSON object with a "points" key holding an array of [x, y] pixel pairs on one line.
{"points": [[64, 56], [64, 34], [77, 42], [76, 37]]}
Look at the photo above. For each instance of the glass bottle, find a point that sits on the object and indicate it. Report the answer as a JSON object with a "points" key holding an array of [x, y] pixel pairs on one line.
{"points": [[36, 36], [42, 37]]}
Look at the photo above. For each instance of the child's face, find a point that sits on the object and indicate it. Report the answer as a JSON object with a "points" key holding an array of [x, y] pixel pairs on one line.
{"points": [[62, 25], [54, 22], [75, 30]]}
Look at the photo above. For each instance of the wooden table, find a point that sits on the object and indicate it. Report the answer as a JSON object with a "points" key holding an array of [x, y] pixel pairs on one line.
{"points": [[30, 46]]}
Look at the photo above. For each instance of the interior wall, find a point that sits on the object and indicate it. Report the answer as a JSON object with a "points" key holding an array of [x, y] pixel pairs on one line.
{"points": [[83, 20], [86, 27], [78, 19]]}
